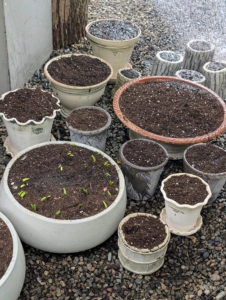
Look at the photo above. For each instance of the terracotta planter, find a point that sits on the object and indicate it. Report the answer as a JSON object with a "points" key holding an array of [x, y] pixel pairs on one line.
{"points": [[72, 97], [166, 67], [174, 146]]}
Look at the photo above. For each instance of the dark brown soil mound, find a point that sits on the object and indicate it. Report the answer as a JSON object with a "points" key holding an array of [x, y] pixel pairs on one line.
{"points": [[6, 247]]}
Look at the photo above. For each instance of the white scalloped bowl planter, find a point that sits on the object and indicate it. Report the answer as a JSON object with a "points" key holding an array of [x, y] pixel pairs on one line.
{"points": [[24, 135], [62, 236], [12, 281]]}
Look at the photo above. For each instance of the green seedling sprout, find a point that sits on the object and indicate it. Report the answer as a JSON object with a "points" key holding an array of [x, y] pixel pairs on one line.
{"points": [[64, 191], [106, 164], [111, 182], [85, 165], [34, 207], [22, 194], [58, 212], [70, 154], [43, 199], [94, 158], [105, 204], [80, 205], [109, 193], [85, 191], [22, 185], [61, 168], [107, 174], [25, 179]]}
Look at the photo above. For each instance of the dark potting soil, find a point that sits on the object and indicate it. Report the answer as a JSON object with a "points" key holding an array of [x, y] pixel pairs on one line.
{"points": [[6, 247], [27, 104], [144, 232], [170, 56], [79, 70], [87, 119], [207, 158], [114, 30], [185, 189], [64, 182], [144, 153], [200, 46], [191, 75], [171, 109], [215, 66], [130, 73]]}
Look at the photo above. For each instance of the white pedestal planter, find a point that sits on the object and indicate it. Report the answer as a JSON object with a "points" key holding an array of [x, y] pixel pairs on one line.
{"points": [[12, 281], [166, 63], [95, 138], [121, 79], [191, 75], [117, 53], [62, 236], [195, 59], [141, 261]]}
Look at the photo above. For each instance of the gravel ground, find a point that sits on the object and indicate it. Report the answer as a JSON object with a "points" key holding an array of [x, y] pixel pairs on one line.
{"points": [[194, 266]]}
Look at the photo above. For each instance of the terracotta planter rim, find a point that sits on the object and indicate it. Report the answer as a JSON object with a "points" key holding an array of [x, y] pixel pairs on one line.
{"points": [[161, 138]]}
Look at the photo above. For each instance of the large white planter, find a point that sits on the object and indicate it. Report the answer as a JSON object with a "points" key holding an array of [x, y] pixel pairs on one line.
{"points": [[12, 281], [117, 53], [72, 97], [24, 135], [183, 216], [62, 236], [141, 261]]}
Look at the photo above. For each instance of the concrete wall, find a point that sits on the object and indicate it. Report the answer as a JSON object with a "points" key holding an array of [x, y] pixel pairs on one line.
{"points": [[28, 25]]}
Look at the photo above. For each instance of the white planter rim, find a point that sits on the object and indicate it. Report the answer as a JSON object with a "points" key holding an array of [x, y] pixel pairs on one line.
{"points": [[169, 61], [114, 42], [212, 46], [140, 250], [144, 168], [184, 70], [197, 170], [30, 122], [204, 202], [74, 87], [91, 132], [55, 221], [212, 71], [123, 69]]}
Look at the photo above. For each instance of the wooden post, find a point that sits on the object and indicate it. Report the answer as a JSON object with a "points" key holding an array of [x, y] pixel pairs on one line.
{"points": [[69, 18]]}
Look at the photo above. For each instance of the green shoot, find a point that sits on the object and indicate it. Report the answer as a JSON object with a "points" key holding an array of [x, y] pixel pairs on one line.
{"points": [[109, 193], [85, 191], [61, 168], [111, 182], [85, 165], [43, 199], [73, 144], [22, 194], [80, 205], [34, 207], [107, 174], [105, 204], [25, 179], [64, 191], [58, 212], [106, 164], [22, 185], [70, 154], [94, 158]]}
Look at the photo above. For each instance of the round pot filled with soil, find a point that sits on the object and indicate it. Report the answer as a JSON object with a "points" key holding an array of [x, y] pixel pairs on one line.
{"points": [[143, 240], [166, 63], [78, 79], [191, 75], [28, 117], [63, 197], [124, 76], [184, 195], [113, 41], [215, 73], [142, 164], [88, 125], [12, 261], [171, 111], [208, 162]]}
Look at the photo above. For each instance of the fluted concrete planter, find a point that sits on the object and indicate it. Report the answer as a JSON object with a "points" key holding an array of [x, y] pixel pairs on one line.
{"points": [[191, 75], [121, 79], [166, 63]]}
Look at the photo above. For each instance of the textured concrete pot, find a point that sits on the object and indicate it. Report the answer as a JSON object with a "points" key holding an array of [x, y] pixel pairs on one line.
{"points": [[163, 67], [121, 79], [201, 79]]}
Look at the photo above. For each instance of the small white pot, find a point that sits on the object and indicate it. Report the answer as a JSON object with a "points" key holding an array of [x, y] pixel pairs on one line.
{"points": [[12, 281], [62, 236], [95, 138], [24, 135], [162, 67], [121, 79], [117, 53], [141, 261], [183, 216], [200, 81], [72, 97]]}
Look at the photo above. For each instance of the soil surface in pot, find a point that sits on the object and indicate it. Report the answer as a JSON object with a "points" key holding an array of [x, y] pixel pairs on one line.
{"points": [[185, 189], [171, 108], [114, 30], [191, 75], [215, 66], [130, 73], [79, 70], [6, 247], [144, 153], [64, 181], [170, 56], [207, 158], [28, 104], [200, 46], [87, 119], [144, 232]]}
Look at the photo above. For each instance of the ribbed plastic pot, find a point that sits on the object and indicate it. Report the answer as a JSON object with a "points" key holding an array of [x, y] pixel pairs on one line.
{"points": [[116, 52], [141, 261], [62, 236], [183, 216], [72, 97], [12, 281], [23, 135], [201, 79], [141, 182], [215, 181], [95, 138], [174, 146]]}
